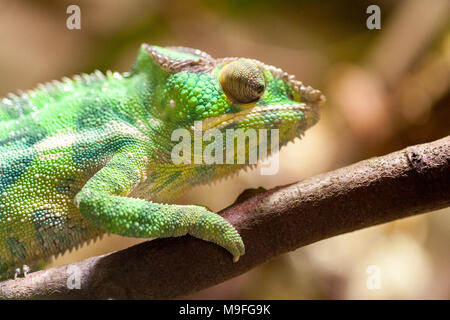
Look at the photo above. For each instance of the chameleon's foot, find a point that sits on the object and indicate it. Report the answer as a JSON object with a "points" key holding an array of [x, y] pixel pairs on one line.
{"points": [[210, 226], [234, 246], [238, 249], [26, 270], [17, 273]]}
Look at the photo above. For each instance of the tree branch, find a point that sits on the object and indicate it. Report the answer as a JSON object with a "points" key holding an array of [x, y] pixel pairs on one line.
{"points": [[411, 181]]}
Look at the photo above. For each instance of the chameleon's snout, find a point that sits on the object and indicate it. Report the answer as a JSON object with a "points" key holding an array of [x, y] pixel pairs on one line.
{"points": [[308, 93]]}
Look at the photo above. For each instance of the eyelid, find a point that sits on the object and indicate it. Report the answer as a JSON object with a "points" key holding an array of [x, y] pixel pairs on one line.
{"points": [[241, 79]]}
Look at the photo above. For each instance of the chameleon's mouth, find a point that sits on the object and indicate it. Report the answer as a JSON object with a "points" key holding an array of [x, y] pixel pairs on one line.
{"points": [[304, 111]]}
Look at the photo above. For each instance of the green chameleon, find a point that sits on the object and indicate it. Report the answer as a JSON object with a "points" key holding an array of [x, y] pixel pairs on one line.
{"points": [[92, 154]]}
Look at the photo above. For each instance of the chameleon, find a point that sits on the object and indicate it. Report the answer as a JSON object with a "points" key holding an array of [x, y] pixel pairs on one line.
{"points": [[91, 154]]}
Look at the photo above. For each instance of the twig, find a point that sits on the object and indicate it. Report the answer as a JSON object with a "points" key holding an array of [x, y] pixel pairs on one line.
{"points": [[404, 183]]}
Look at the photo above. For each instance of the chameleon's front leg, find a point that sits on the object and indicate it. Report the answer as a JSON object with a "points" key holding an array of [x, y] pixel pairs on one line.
{"points": [[103, 202]]}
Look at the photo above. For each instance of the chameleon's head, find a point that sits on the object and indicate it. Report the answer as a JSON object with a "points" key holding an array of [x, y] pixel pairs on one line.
{"points": [[231, 93]]}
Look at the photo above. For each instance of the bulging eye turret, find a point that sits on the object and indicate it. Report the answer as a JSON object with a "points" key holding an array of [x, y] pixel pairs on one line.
{"points": [[242, 81]]}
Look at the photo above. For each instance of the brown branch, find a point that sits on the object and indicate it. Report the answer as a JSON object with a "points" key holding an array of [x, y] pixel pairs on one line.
{"points": [[374, 191]]}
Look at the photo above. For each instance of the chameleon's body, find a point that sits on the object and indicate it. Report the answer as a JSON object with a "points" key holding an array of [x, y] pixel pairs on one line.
{"points": [[78, 157]]}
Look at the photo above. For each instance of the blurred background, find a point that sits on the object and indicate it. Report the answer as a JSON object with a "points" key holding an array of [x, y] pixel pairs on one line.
{"points": [[386, 89]]}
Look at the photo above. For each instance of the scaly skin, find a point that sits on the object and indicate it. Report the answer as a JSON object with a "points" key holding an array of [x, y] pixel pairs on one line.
{"points": [[78, 157]]}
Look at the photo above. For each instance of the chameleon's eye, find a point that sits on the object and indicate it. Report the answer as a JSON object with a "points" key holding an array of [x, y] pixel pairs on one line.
{"points": [[242, 81]]}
